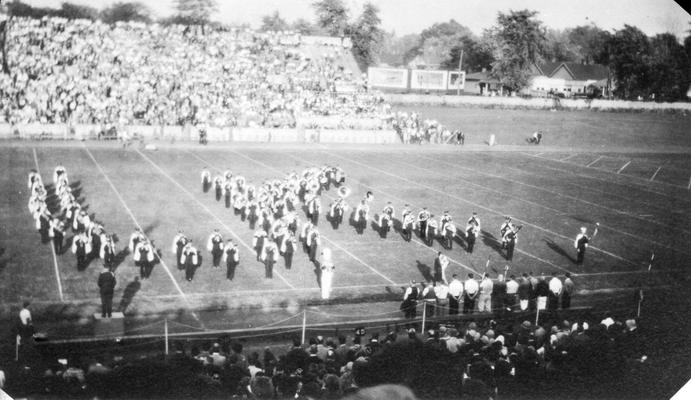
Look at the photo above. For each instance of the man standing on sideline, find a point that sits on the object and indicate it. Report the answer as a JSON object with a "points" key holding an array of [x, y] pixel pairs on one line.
{"points": [[524, 292], [485, 296], [499, 295], [581, 244], [511, 293], [455, 293], [441, 263], [471, 289], [555, 289], [106, 285], [327, 272], [232, 258], [542, 292], [568, 288], [409, 304], [215, 246]]}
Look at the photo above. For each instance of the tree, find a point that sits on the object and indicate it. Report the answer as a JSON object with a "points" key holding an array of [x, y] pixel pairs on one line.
{"points": [[670, 69], [590, 43], [302, 26], [436, 42], [558, 46], [120, 11], [518, 42], [394, 48], [367, 36], [332, 16], [629, 51], [195, 12], [477, 55], [273, 22], [76, 11]]}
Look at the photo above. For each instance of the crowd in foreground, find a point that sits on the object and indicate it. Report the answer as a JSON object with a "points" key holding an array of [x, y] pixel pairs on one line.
{"points": [[471, 360]]}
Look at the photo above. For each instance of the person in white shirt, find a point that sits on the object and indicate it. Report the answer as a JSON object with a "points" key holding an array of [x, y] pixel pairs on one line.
{"points": [[555, 289], [455, 293], [511, 292], [442, 293], [471, 288], [485, 297]]}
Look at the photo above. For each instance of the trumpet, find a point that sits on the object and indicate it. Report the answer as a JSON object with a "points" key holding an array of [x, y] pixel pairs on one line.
{"points": [[344, 192]]}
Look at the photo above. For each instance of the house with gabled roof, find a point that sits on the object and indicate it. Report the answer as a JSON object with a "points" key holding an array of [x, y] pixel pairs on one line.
{"points": [[569, 79]]}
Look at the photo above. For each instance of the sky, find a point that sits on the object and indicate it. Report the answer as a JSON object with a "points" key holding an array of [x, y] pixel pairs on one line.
{"points": [[412, 16]]}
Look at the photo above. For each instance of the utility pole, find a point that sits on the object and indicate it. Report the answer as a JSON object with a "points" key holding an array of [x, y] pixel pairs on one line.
{"points": [[460, 71]]}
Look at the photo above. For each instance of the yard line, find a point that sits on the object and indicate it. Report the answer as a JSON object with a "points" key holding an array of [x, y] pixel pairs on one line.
{"points": [[416, 241], [482, 207], [566, 196], [622, 168], [134, 219], [569, 157], [211, 213], [324, 237], [539, 154], [52, 248], [656, 171], [594, 162]]}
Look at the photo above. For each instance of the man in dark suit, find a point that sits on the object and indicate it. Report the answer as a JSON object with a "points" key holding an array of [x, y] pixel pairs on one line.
{"points": [[106, 285]]}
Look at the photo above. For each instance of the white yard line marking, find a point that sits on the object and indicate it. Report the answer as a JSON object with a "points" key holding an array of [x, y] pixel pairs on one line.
{"points": [[414, 239], [569, 157], [134, 219], [539, 154], [656, 171], [479, 206], [52, 248], [475, 171], [594, 162], [323, 237], [208, 211], [622, 168]]}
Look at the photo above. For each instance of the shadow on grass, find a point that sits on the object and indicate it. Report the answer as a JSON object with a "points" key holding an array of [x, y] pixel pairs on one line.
{"points": [[425, 270], [491, 241], [559, 250], [129, 293]]}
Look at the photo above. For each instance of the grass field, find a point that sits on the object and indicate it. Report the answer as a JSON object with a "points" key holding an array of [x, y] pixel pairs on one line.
{"points": [[640, 198]]}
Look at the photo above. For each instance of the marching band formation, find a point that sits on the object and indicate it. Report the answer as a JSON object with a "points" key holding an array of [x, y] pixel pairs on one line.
{"points": [[271, 210]]}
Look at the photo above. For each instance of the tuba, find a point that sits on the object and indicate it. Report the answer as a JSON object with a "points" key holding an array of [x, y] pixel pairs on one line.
{"points": [[343, 192]]}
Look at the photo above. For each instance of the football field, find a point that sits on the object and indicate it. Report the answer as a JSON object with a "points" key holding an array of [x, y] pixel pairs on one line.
{"points": [[640, 199]]}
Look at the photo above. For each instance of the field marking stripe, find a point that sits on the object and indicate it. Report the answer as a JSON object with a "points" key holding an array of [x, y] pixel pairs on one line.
{"points": [[52, 248], [481, 206], [211, 213], [414, 239], [637, 185], [323, 236], [596, 160], [569, 157], [622, 168], [647, 240], [483, 235], [656, 171], [134, 219]]}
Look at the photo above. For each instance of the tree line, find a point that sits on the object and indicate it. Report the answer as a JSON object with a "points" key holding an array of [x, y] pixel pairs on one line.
{"points": [[657, 67]]}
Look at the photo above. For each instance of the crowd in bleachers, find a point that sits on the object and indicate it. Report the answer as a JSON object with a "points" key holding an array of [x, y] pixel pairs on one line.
{"points": [[468, 359], [88, 72]]}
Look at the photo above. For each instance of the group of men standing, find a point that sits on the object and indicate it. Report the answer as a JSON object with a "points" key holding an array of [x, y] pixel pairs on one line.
{"points": [[500, 295]]}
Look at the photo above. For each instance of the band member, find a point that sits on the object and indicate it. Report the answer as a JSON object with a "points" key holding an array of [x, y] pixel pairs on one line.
{"points": [[57, 232], [313, 241], [42, 218], [422, 218], [472, 230], [81, 247], [179, 242], [218, 187], [445, 219], [215, 246], [269, 257], [432, 230], [327, 270], [231, 257], [259, 241], [581, 244], [506, 226], [407, 223], [34, 179], [136, 237], [191, 259], [144, 256], [449, 233], [313, 208], [287, 248], [98, 235], [206, 180], [361, 216], [386, 219], [107, 251], [59, 173], [510, 238]]}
